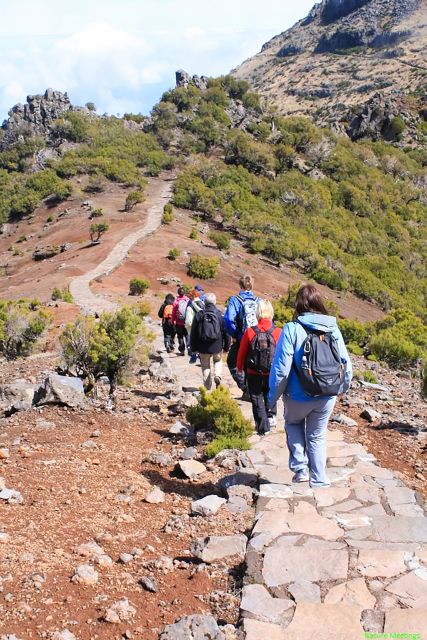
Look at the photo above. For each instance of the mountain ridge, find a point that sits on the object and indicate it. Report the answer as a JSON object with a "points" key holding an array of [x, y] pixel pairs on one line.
{"points": [[332, 63]]}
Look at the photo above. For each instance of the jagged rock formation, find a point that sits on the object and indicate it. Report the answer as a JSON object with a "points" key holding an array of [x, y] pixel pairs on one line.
{"points": [[36, 117], [332, 63]]}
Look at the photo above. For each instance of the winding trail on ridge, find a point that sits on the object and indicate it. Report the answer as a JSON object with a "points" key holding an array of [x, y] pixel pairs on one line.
{"points": [[80, 286]]}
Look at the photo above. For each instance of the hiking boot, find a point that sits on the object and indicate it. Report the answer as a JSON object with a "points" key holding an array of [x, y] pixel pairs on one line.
{"points": [[272, 421], [301, 476], [217, 381], [246, 396], [193, 358]]}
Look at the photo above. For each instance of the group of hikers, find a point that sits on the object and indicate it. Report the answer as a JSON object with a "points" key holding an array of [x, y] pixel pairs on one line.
{"points": [[306, 362]]}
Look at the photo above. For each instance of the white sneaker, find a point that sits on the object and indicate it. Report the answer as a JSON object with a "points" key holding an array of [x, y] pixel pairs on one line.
{"points": [[272, 421]]}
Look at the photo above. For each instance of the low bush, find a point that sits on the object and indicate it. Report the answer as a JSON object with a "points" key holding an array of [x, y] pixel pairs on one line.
{"points": [[133, 198], [21, 324], [167, 217], [203, 267], [96, 184], [194, 233], [62, 294], [174, 253], [218, 411], [369, 376], [138, 286], [221, 239], [96, 213]]}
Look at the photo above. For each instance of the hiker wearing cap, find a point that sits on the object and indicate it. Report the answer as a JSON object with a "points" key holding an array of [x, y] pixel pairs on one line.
{"points": [[311, 367], [255, 357], [200, 292], [209, 339], [239, 315]]}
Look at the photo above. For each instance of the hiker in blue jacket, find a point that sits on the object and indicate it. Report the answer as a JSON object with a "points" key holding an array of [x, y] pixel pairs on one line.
{"points": [[306, 416], [239, 315]]}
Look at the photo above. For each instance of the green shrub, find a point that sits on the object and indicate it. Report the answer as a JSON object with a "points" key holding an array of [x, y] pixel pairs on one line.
{"points": [[398, 126], [354, 332], [96, 213], [21, 324], [62, 294], [194, 233], [138, 286], [354, 348], [106, 348], [133, 198], [168, 216], [369, 376], [219, 412], [203, 267], [50, 219], [174, 253], [96, 184], [221, 239]]}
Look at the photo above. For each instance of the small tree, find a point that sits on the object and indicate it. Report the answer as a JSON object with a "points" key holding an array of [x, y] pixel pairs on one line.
{"points": [[90, 106], [97, 229], [138, 286], [203, 267], [21, 324], [106, 348], [134, 198]]}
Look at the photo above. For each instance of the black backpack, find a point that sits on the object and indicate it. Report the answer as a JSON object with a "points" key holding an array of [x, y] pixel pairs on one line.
{"points": [[321, 371], [209, 326], [261, 351]]}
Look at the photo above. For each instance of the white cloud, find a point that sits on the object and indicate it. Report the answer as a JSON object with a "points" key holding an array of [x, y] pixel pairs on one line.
{"points": [[122, 56]]}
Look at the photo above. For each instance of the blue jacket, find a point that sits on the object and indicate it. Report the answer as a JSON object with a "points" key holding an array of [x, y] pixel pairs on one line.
{"points": [[283, 377], [232, 311]]}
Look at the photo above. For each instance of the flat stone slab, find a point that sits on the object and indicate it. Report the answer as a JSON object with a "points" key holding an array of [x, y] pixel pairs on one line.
{"points": [[371, 510], [275, 491], [304, 563], [354, 593], [314, 525], [325, 622], [399, 529], [259, 604], [380, 563], [411, 510], [411, 589], [399, 495], [304, 591], [343, 507], [343, 450], [366, 493], [406, 621], [275, 504], [207, 506], [327, 497], [254, 630], [373, 471], [272, 522], [275, 475]]}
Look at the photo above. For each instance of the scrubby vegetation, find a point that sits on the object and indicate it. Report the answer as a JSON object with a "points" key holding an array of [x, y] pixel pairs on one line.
{"points": [[218, 411], [21, 324], [105, 348], [96, 230], [174, 253], [203, 267], [167, 216], [138, 286], [221, 239], [62, 294]]}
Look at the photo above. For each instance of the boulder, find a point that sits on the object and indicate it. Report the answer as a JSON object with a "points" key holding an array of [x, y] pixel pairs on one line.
{"points": [[16, 396], [195, 627], [120, 611], [62, 390], [371, 415], [344, 420], [191, 468], [155, 496]]}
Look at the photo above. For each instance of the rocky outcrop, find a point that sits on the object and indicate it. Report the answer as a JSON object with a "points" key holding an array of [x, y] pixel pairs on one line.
{"points": [[36, 117], [380, 118], [331, 10], [183, 79]]}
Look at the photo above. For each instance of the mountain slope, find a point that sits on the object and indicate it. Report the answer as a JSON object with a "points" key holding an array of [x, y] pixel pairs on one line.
{"points": [[336, 60]]}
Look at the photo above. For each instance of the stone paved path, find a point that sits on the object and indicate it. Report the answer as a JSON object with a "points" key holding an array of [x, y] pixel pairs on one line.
{"points": [[329, 564], [80, 286], [336, 563]]}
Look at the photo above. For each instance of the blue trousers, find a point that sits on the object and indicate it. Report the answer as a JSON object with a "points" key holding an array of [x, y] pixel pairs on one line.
{"points": [[306, 428]]}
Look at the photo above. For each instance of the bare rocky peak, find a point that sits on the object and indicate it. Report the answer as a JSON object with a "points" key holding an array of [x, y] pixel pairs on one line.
{"points": [[343, 54], [36, 116]]}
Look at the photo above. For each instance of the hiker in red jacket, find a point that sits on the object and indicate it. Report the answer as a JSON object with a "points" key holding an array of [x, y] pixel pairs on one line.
{"points": [[255, 357], [178, 320]]}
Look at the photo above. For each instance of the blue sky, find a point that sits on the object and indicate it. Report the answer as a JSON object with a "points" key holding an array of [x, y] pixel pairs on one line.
{"points": [[122, 54]]}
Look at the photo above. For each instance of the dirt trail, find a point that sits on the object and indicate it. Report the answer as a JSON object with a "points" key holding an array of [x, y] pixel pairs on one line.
{"points": [[80, 286]]}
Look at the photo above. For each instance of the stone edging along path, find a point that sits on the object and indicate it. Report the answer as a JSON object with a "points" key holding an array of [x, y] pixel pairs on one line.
{"points": [[80, 286]]}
